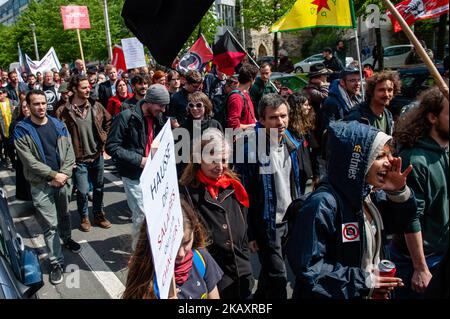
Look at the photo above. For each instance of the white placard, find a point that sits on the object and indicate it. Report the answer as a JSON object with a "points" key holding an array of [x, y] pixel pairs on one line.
{"points": [[134, 53], [162, 208]]}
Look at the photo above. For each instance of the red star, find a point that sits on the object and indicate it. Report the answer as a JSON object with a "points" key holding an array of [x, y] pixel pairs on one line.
{"points": [[321, 4]]}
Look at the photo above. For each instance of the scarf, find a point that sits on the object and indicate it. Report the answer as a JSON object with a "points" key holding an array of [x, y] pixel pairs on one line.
{"points": [[149, 120], [349, 102], [183, 268], [6, 116], [223, 182]]}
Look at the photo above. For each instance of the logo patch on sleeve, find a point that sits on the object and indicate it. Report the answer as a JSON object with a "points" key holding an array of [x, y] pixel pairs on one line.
{"points": [[350, 232]]}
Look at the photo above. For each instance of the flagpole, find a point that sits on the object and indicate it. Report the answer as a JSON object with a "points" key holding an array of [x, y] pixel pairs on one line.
{"points": [[419, 49], [251, 59], [81, 49], [358, 51]]}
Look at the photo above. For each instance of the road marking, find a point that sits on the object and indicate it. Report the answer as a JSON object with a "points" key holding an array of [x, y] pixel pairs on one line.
{"points": [[113, 178], [101, 271]]}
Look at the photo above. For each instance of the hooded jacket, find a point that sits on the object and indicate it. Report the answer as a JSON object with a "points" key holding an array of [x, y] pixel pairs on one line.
{"points": [[327, 243], [429, 180]]}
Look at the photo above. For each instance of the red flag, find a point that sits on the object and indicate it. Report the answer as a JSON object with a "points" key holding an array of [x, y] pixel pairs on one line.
{"points": [[414, 10], [118, 59], [228, 53], [197, 56]]}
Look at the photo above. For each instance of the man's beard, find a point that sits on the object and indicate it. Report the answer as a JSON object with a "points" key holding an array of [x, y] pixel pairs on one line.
{"points": [[443, 134]]}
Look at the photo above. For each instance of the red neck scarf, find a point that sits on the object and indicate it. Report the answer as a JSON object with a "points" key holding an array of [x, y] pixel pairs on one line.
{"points": [[223, 182], [183, 268], [149, 120]]}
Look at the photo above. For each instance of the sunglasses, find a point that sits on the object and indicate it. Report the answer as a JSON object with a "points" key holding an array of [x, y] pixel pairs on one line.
{"points": [[197, 105]]}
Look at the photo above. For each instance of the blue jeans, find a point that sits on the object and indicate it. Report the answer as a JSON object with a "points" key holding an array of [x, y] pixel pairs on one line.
{"points": [[83, 173], [405, 270]]}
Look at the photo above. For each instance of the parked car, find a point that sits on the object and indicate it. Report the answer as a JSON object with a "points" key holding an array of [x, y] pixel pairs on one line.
{"points": [[290, 81], [394, 56], [415, 79], [304, 65], [20, 271]]}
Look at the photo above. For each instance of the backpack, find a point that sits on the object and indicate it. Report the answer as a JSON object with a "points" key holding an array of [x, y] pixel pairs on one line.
{"points": [[199, 263], [220, 103]]}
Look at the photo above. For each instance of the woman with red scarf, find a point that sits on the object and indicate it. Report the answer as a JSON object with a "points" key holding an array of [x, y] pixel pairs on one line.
{"points": [[114, 102], [221, 202], [196, 272]]}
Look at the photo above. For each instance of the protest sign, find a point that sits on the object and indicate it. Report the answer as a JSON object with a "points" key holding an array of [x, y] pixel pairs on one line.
{"points": [[134, 53]]}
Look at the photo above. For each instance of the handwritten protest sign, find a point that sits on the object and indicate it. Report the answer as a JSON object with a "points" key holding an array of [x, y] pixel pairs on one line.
{"points": [[162, 208]]}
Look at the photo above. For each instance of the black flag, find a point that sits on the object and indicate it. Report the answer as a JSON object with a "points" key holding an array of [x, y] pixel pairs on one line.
{"points": [[164, 25]]}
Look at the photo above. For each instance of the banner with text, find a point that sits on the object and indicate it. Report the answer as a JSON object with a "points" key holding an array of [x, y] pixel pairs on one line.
{"points": [[162, 208]]}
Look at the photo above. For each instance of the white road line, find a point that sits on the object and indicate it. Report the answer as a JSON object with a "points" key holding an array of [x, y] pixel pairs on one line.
{"points": [[105, 276], [112, 178]]}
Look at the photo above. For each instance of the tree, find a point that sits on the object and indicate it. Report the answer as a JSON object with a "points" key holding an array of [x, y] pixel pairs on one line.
{"points": [[264, 13], [50, 32]]}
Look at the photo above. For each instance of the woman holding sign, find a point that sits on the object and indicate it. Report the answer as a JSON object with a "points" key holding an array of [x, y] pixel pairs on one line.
{"points": [[196, 273], [221, 202]]}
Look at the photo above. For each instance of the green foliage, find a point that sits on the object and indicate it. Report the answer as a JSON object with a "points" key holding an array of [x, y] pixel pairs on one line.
{"points": [[50, 32], [320, 39], [264, 13]]}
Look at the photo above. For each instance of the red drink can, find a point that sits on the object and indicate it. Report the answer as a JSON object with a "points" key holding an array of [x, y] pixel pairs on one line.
{"points": [[387, 268]]}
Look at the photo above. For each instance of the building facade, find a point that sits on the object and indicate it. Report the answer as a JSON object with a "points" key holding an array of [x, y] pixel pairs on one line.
{"points": [[11, 9]]}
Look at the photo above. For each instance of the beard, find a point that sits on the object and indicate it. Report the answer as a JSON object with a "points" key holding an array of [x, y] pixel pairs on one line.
{"points": [[442, 132]]}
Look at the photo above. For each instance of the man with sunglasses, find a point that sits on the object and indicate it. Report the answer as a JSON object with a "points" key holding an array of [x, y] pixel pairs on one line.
{"points": [[343, 95], [179, 101], [131, 153]]}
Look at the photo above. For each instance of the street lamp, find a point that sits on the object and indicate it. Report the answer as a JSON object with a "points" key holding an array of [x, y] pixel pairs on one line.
{"points": [[33, 29], [108, 33]]}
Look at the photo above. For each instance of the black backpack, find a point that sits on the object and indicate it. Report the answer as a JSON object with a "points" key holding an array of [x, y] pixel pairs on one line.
{"points": [[220, 103]]}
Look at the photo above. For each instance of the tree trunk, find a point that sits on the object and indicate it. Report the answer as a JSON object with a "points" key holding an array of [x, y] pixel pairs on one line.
{"points": [[380, 49], [441, 37]]}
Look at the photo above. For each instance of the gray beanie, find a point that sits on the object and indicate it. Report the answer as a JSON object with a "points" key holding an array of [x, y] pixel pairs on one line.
{"points": [[157, 94], [380, 140]]}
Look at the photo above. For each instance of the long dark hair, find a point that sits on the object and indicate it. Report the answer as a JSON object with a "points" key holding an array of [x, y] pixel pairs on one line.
{"points": [[141, 272], [299, 123], [415, 124]]}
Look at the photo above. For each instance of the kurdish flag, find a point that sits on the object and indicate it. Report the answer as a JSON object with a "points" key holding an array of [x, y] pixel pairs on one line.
{"points": [[307, 14]]}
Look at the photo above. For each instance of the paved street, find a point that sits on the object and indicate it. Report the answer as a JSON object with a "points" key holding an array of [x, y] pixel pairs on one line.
{"points": [[99, 271]]}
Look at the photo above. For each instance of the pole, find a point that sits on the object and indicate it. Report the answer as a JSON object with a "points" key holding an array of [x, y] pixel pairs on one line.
{"points": [[419, 49], [360, 65], [108, 32], [81, 49], [33, 30], [241, 8], [251, 59]]}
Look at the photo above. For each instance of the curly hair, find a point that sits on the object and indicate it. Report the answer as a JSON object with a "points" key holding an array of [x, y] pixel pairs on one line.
{"points": [[141, 272], [299, 123], [414, 124], [380, 77]]}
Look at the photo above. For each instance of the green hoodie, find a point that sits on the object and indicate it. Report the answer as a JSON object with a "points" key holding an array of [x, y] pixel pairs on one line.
{"points": [[429, 180]]}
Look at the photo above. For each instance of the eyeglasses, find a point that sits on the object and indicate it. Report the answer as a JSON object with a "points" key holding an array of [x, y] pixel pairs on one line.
{"points": [[197, 105]]}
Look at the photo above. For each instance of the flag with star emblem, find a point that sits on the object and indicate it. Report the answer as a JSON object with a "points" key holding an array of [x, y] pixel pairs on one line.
{"points": [[307, 14]]}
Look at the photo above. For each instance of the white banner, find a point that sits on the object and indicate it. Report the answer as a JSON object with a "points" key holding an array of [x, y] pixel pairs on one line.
{"points": [[162, 208], [49, 62], [134, 53]]}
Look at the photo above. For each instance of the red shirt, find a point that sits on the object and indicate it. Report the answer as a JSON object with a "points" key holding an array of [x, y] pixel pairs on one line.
{"points": [[238, 113]]}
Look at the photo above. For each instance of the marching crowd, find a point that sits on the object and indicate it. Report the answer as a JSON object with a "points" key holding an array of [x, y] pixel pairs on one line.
{"points": [[380, 184]]}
